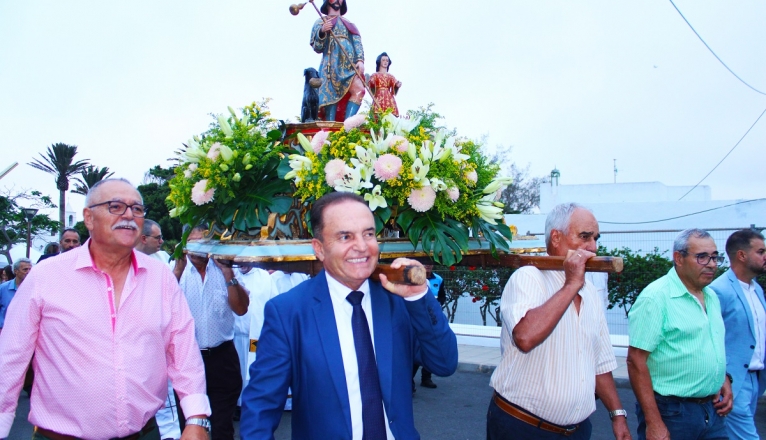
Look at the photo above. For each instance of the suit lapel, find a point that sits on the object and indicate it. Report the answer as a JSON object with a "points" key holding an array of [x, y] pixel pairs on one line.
{"points": [[741, 295], [324, 315], [384, 335]]}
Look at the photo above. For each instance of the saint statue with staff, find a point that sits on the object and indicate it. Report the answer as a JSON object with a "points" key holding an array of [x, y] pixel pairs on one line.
{"points": [[342, 66]]}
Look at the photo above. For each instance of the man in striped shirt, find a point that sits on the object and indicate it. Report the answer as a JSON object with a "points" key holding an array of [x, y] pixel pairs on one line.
{"points": [[676, 358], [555, 344]]}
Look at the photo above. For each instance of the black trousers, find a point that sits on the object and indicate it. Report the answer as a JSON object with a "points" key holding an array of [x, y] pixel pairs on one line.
{"points": [[224, 384]]}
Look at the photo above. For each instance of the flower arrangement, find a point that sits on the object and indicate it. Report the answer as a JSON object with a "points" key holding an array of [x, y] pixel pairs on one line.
{"points": [[229, 174], [437, 188]]}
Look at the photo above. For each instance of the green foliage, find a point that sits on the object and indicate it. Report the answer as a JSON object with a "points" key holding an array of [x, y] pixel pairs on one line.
{"points": [[639, 270], [59, 161], [82, 230], [484, 286], [13, 223], [413, 174], [155, 191], [90, 176], [229, 174]]}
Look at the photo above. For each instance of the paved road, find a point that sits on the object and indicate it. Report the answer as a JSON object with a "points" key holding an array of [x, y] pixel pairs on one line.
{"points": [[456, 410]]}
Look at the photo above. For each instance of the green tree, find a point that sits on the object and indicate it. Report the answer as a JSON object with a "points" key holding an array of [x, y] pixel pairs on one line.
{"points": [[523, 195], [90, 176], [59, 161], [82, 230], [154, 190], [13, 223], [639, 270]]}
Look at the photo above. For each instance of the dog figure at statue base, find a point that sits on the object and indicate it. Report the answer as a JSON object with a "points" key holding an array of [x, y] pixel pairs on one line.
{"points": [[310, 105]]}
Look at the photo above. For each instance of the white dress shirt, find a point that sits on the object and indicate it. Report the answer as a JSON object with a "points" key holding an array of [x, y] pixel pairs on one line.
{"points": [[557, 379], [759, 321], [209, 304], [343, 312]]}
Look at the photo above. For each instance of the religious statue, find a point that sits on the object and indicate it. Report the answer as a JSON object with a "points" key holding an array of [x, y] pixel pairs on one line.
{"points": [[342, 66], [384, 86]]}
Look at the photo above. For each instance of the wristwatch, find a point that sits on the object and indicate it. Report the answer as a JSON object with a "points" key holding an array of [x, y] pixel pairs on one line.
{"points": [[618, 412], [233, 282], [205, 423]]}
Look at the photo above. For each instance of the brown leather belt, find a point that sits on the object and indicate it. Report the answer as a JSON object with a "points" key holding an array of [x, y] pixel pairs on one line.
{"points": [[531, 419], [150, 425]]}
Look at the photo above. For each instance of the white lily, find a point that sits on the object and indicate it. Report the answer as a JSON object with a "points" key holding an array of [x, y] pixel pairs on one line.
{"points": [[226, 153], [401, 126], [351, 181], [375, 199], [304, 142], [496, 184], [366, 156], [412, 151], [419, 171], [380, 142], [455, 151], [438, 184], [193, 153], [225, 127], [488, 211], [297, 163], [425, 152]]}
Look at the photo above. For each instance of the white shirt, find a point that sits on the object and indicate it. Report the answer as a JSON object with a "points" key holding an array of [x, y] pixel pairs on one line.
{"points": [[759, 321], [343, 312], [162, 256], [262, 288], [209, 304], [600, 281], [556, 380]]}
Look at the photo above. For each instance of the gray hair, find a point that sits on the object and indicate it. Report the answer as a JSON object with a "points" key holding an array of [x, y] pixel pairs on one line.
{"points": [[559, 217], [148, 224], [94, 189], [17, 263], [681, 243]]}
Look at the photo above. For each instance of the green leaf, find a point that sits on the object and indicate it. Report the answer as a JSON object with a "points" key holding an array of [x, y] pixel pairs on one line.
{"points": [[284, 168], [443, 240], [274, 135]]}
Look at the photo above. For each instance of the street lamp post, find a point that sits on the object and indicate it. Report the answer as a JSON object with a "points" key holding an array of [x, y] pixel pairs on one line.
{"points": [[29, 213]]}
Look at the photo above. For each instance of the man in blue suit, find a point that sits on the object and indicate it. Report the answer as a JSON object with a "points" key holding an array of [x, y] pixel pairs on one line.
{"points": [[312, 340], [744, 315]]}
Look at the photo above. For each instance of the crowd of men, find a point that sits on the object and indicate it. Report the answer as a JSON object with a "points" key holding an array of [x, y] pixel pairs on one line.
{"points": [[127, 344]]}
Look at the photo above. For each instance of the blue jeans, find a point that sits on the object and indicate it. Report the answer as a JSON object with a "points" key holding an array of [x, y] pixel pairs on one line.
{"points": [[502, 426], [685, 420]]}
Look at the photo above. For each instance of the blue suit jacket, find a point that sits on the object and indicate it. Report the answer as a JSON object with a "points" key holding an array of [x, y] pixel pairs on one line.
{"points": [[299, 348], [740, 329]]}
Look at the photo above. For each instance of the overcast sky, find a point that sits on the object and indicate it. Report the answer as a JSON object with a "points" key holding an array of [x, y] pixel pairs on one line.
{"points": [[566, 84]]}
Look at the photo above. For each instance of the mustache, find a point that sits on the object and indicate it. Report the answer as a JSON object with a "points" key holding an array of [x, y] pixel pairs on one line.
{"points": [[125, 223]]}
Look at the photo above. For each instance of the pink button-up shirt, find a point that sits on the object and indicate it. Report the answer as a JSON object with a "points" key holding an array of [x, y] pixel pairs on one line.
{"points": [[100, 371]]}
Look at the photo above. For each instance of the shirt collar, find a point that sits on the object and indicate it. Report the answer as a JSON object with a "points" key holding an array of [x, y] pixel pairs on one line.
{"points": [[680, 289], [84, 259], [340, 291]]}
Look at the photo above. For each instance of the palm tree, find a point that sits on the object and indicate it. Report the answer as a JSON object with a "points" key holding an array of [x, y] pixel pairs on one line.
{"points": [[91, 175], [59, 161]]}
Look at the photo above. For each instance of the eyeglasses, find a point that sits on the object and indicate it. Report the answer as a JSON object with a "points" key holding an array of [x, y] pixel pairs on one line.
{"points": [[156, 237], [119, 208], [704, 258]]}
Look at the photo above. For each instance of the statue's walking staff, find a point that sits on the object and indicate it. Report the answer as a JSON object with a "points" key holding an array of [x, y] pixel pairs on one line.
{"points": [[296, 9]]}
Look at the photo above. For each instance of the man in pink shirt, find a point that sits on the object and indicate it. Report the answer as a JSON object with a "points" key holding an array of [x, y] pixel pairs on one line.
{"points": [[108, 326]]}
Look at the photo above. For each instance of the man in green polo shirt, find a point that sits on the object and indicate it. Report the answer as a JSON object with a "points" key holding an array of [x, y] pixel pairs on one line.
{"points": [[676, 359]]}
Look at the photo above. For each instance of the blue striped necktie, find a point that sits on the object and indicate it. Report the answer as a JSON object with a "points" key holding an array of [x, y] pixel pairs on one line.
{"points": [[369, 384]]}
